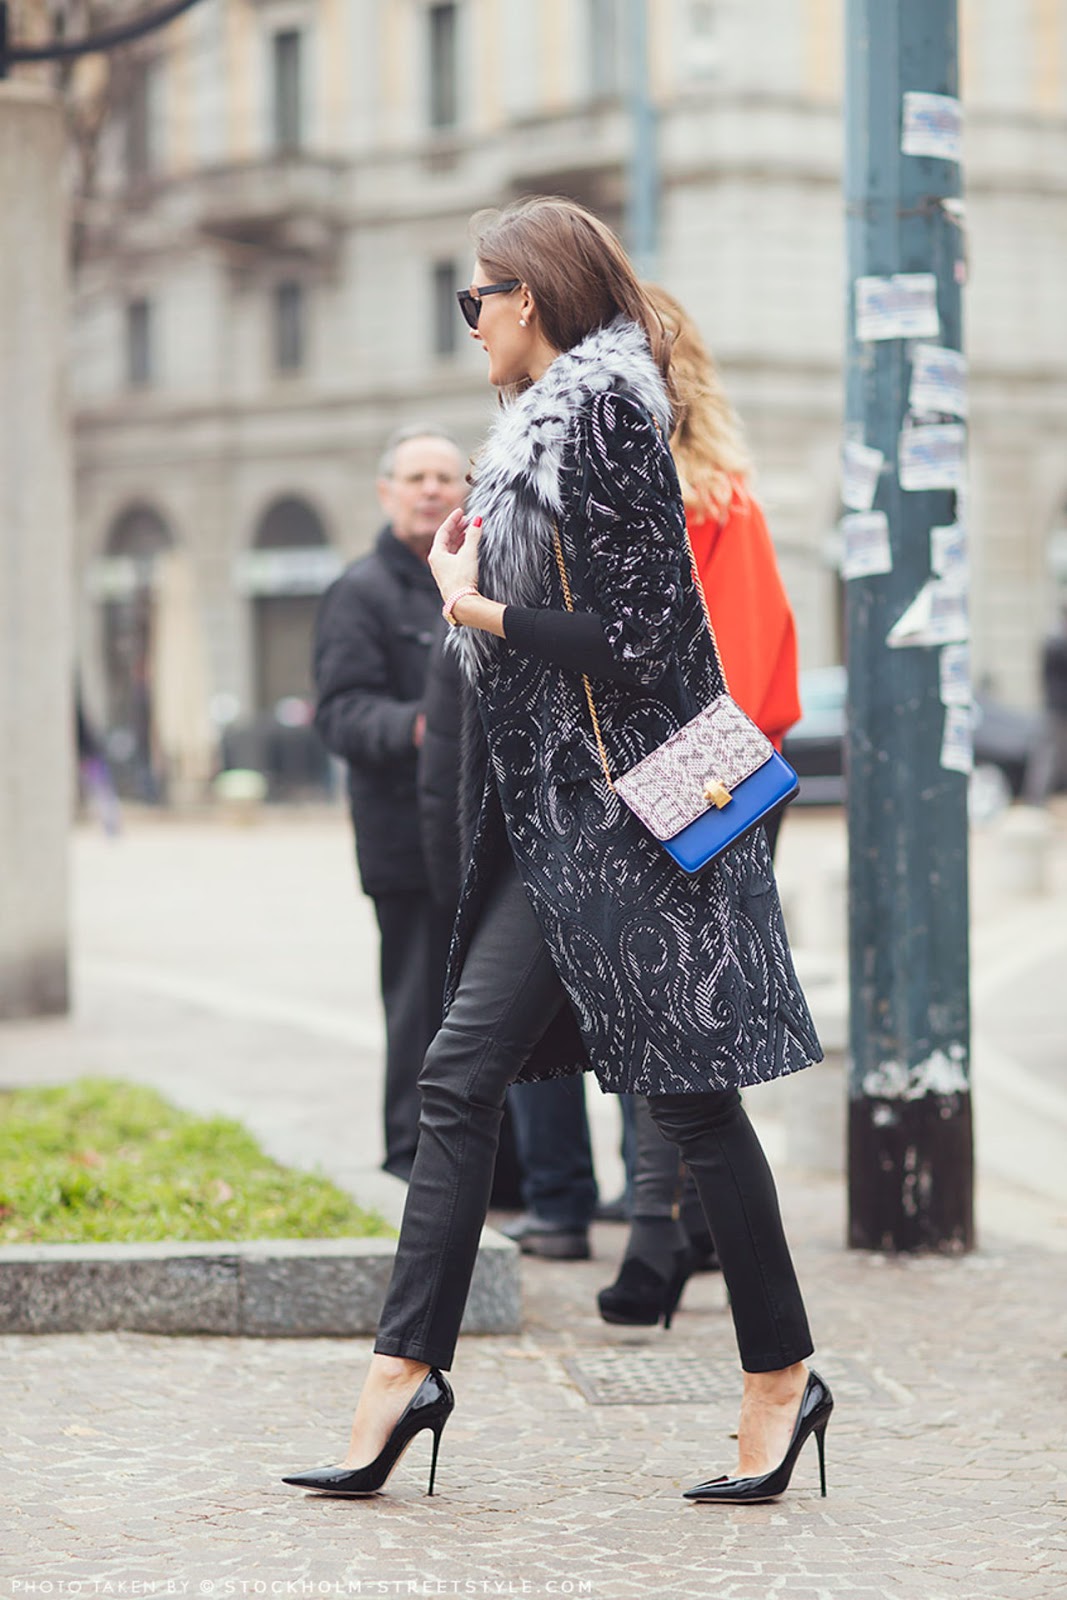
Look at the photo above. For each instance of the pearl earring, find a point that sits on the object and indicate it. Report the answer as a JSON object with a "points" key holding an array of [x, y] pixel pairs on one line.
{"points": [[522, 322]]}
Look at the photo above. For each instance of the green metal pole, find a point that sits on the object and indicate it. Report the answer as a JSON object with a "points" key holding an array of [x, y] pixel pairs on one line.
{"points": [[910, 1157]]}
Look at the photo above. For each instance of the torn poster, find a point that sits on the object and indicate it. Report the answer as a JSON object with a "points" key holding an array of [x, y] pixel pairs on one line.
{"points": [[901, 307], [938, 381], [932, 125], [957, 739], [932, 456], [866, 541], [949, 558], [937, 615], [954, 675], [860, 466]]}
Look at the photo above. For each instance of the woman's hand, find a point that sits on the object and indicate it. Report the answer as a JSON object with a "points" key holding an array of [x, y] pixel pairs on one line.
{"points": [[454, 553]]}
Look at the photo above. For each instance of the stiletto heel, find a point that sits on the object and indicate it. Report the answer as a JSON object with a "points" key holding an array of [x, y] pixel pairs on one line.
{"points": [[429, 1407], [813, 1417], [682, 1273], [437, 1432], [820, 1440]]}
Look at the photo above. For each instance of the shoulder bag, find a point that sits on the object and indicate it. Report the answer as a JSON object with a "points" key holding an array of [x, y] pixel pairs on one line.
{"points": [[711, 782]]}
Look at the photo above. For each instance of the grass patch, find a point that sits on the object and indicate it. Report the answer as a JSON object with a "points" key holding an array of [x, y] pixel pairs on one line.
{"points": [[105, 1162]]}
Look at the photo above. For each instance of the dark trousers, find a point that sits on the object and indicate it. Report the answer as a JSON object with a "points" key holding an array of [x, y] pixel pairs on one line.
{"points": [[662, 1187], [414, 950], [555, 1152], [508, 994]]}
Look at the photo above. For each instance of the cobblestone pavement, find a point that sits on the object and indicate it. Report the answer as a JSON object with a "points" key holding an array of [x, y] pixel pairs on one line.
{"points": [[142, 1465], [141, 1460], [155, 1461]]}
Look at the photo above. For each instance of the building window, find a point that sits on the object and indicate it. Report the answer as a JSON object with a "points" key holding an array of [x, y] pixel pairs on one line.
{"points": [[139, 362], [443, 57], [703, 47], [445, 309], [141, 133], [289, 327], [606, 75], [288, 106]]}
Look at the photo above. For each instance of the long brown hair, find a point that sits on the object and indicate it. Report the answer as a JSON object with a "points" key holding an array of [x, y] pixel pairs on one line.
{"points": [[708, 443], [578, 272]]}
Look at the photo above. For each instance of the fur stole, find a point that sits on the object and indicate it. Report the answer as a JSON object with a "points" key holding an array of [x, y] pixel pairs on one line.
{"points": [[517, 490]]}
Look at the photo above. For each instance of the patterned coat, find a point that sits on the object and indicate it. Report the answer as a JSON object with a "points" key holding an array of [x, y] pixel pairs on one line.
{"points": [[675, 984]]}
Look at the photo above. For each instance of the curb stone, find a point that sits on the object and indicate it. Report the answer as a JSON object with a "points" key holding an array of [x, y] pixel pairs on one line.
{"points": [[259, 1288]]}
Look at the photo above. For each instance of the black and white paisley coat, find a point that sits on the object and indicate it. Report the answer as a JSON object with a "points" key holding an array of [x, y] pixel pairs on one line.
{"points": [[675, 984]]}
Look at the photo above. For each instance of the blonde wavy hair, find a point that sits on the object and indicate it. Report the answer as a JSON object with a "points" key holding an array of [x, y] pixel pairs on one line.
{"points": [[708, 442]]}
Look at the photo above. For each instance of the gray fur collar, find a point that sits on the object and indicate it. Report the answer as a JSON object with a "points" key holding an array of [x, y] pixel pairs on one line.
{"points": [[517, 476]]}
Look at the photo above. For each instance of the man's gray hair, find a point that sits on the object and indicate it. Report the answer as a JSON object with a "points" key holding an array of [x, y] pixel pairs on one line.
{"points": [[412, 430]]}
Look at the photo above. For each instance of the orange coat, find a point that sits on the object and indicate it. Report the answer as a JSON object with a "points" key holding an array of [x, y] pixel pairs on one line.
{"points": [[750, 611]]}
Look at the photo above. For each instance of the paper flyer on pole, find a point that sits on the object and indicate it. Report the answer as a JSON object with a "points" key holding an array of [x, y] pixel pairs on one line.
{"points": [[957, 740], [932, 456], [860, 469], [901, 307], [866, 544], [932, 125], [938, 615], [954, 675], [938, 381], [949, 555]]}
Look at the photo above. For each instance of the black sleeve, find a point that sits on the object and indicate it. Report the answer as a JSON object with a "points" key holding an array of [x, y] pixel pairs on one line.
{"points": [[357, 716], [571, 639]]}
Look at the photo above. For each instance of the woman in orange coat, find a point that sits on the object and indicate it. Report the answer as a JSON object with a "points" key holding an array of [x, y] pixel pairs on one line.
{"points": [[757, 639]]}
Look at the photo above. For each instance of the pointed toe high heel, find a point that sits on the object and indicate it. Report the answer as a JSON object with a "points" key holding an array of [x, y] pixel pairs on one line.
{"points": [[429, 1407], [640, 1295], [814, 1415]]}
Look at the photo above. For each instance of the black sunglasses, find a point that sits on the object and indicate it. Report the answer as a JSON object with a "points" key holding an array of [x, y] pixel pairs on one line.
{"points": [[471, 303]]}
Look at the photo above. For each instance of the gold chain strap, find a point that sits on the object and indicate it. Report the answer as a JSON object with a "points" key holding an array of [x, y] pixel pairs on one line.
{"points": [[588, 691]]}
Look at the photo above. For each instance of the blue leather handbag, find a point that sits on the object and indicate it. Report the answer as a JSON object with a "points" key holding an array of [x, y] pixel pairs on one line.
{"points": [[708, 784], [711, 782]]}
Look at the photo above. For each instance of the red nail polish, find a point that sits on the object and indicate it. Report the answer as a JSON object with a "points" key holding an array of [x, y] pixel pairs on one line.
{"points": [[477, 522]]}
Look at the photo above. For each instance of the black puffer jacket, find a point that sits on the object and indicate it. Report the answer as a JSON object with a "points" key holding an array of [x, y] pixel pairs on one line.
{"points": [[375, 628]]}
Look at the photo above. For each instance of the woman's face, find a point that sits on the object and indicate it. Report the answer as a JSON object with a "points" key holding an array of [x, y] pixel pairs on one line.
{"points": [[510, 343]]}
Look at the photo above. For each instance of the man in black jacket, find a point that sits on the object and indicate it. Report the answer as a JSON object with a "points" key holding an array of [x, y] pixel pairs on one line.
{"points": [[373, 635]]}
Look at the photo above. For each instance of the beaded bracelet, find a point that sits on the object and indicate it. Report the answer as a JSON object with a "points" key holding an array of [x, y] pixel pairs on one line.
{"points": [[453, 599]]}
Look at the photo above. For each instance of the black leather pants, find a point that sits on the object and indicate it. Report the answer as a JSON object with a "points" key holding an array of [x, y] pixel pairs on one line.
{"points": [[508, 994]]}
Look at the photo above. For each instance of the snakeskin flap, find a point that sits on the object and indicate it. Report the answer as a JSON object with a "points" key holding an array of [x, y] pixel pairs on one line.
{"points": [[720, 745]]}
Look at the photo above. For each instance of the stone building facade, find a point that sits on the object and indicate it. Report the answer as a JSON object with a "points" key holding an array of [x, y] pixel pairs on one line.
{"points": [[266, 285]]}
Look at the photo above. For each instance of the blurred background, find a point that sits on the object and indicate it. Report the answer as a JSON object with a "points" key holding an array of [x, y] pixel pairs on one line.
{"points": [[271, 222]]}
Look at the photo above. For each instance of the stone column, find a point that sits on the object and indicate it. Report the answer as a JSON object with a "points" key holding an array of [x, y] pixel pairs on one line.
{"points": [[36, 655]]}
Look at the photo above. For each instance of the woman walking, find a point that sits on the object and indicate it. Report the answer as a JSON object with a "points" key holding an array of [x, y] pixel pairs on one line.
{"points": [[756, 633], [578, 941]]}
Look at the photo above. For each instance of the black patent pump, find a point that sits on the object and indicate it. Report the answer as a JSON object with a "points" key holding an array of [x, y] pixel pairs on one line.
{"points": [[429, 1407], [812, 1418]]}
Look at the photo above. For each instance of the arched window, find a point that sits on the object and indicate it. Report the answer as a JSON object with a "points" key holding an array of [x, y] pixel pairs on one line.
{"points": [[291, 562], [290, 524], [139, 533], [124, 580]]}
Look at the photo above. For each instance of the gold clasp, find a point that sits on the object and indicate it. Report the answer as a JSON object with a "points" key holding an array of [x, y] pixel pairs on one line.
{"points": [[716, 793]]}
